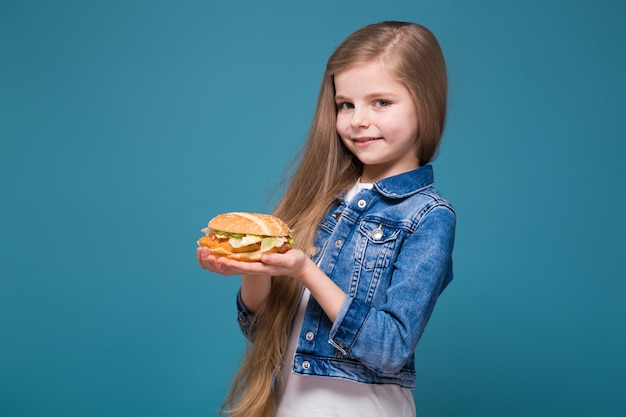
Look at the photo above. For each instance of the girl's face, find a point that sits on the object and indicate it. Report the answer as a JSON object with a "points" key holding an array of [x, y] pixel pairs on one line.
{"points": [[377, 120]]}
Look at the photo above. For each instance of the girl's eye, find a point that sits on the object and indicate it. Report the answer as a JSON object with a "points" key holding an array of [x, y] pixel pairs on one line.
{"points": [[345, 106], [382, 103]]}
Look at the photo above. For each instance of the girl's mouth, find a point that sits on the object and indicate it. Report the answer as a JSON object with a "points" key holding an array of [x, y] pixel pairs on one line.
{"points": [[364, 141]]}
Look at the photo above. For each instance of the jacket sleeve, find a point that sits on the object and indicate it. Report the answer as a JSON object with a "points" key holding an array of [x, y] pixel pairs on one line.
{"points": [[423, 268], [244, 317]]}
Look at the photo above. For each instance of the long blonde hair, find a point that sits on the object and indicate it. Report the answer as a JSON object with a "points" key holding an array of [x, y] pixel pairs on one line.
{"points": [[325, 169]]}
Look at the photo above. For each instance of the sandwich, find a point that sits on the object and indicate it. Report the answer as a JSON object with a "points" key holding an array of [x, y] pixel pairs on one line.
{"points": [[246, 236]]}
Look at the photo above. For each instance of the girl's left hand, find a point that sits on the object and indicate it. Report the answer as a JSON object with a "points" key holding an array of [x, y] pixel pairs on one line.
{"points": [[291, 263]]}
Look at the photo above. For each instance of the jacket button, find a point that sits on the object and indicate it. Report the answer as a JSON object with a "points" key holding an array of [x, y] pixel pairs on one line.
{"points": [[310, 336], [339, 243], [306, 365], [362, 203]]}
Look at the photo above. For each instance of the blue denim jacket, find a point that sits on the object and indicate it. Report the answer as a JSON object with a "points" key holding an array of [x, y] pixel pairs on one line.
{"points": [[390, 250]]}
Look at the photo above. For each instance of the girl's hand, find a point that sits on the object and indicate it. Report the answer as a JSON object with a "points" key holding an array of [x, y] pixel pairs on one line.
{"points": [[220, 265], [290, 263]]}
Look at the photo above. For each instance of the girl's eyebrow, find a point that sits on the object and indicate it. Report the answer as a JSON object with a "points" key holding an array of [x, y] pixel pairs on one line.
{"points": [[369, 96]]}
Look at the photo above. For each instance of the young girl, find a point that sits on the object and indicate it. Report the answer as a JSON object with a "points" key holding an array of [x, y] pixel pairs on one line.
{"points": [[334, 323]]}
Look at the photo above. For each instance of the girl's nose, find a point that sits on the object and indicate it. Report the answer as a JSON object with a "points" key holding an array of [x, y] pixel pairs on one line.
{"points": [[359, 118]]}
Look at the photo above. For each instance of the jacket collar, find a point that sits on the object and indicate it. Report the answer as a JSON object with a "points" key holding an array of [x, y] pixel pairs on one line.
{"points": [[407, 183]]}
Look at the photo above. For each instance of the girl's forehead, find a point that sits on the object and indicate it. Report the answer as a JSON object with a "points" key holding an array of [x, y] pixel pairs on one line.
{"points": [[366, 75], [380, 63]]}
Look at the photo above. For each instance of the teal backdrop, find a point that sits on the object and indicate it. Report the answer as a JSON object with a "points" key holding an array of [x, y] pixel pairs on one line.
{"points": [[126, 125]]}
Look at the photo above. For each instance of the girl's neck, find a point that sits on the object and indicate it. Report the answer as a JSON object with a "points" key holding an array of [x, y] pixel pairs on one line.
{"points": [[373, 173]]}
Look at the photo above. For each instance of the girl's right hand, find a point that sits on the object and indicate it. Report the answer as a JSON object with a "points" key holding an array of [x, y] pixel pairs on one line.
{"points": [[211, 263], [225, 266]]}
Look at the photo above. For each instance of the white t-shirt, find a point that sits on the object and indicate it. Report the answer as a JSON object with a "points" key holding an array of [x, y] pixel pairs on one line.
{"points": [[317, 396]]}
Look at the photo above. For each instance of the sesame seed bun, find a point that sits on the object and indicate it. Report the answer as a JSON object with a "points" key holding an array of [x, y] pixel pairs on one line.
{"points": [[249, 224]]}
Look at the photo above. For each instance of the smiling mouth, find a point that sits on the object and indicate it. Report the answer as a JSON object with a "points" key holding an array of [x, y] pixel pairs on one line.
{"points": [[365, 140]]}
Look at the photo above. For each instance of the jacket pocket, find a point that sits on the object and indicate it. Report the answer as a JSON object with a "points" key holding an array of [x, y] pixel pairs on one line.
{"points": [[376, 244]]}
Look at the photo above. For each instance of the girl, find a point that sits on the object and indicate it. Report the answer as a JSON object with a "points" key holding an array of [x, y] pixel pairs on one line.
{"points": [[333, 324]]}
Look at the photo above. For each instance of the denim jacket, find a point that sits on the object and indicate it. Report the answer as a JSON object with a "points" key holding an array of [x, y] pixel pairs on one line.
{"points": [[390, 250]]}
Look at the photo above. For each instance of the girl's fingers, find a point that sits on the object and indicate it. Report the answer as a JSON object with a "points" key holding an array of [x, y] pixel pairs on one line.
{"points": [[236, 267], [289, 261], [206, 260], [225, 266], [271, 264]]}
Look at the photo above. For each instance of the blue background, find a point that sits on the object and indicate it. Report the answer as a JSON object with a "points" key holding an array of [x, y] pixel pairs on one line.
{"points": [[126, 125]]}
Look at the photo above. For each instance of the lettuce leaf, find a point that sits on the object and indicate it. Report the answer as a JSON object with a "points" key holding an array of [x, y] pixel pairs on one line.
{"points": [[237, 242], [228, 235]]}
